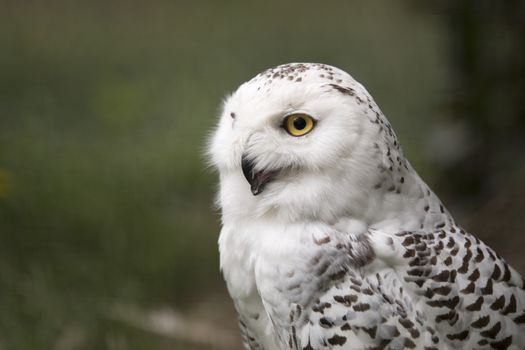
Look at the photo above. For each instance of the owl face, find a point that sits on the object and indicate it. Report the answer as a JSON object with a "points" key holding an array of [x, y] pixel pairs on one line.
{"points": [[295, 141]]}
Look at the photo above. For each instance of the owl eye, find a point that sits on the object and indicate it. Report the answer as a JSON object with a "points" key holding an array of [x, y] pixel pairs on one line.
{"points": [[298, 124]]}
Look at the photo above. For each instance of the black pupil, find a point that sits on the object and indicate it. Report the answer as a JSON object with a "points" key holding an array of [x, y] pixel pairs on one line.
{"points": [[299, 123]]}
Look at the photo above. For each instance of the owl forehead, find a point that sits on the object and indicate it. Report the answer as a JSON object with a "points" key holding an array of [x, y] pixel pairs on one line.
{"points": [[287, 87], [294, 75], [298, 73]]}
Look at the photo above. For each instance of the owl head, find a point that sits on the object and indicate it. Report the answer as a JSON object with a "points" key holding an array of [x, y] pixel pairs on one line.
{"points": [[304, 140]]}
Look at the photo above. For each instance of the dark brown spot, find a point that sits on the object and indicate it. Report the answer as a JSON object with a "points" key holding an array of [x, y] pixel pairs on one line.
{"points": [[337, 340], [466, 259], [322, 240], [416, 262], [469, 289], [405, 322], [511, 308], [502, 344], [496, 273], [355, 288], [367, 291], [442, 276], [488, 288], [520, 319], [361, 307], [453, 274], [414, 333], [492, 332], [410, 344], [371, 331], [491, 254], [479, 257], [498, 303], [408, 241], [458, 336], [481, 322], [355, 281], [474, 275], [419, 282], [475, 306], [409, 253], [341, 89], [506, 274], [325, 323], [444, 290], [382, 344], [450, 303], [346, 300], [338, 275], [320, 307], [415, 272], [454, 318], [433, 260], [445, 317]]}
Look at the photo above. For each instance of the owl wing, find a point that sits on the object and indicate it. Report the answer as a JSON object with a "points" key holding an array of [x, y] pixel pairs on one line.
{"points": [[440, 290], [363, 310], [465, 291]]}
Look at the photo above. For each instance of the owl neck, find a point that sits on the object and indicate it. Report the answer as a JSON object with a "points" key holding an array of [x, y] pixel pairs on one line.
{"points": [[387, 191], [393, 200], [406, 203]]}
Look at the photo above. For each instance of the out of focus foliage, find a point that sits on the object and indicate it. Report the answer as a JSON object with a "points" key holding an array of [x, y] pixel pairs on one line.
{"points": [[105, 198]]}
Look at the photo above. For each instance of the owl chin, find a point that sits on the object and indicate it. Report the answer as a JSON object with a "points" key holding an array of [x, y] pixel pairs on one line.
{"points": [[256, 179]]}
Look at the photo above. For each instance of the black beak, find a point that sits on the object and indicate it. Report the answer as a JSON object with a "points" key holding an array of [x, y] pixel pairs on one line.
{"points": [[257, 180]]}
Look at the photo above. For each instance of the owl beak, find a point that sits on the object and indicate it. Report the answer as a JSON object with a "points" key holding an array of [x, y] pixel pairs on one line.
{"points": [[256, 179]]}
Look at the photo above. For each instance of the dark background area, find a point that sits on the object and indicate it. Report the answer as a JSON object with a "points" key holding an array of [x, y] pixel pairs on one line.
{"points": [[107, 227]]}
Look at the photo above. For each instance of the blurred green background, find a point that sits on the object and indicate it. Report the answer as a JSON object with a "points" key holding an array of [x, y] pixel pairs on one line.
{"points": [[107, 226]]}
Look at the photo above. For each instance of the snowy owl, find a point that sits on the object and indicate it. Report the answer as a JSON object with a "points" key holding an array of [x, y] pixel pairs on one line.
{"points": [[331, 240]]}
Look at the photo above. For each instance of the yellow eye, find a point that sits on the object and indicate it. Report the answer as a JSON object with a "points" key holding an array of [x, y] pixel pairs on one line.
{"points": [[298, 124]]}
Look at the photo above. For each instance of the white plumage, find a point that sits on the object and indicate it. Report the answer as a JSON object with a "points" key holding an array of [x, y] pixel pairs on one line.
{"points": [[331, 240]]}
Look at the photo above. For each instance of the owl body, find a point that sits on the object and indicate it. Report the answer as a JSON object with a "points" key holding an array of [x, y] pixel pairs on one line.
{"points": [[330, 239]]}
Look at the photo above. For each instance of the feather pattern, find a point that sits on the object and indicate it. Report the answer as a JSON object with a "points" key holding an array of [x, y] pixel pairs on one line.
{"points": [[346, 247]]}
